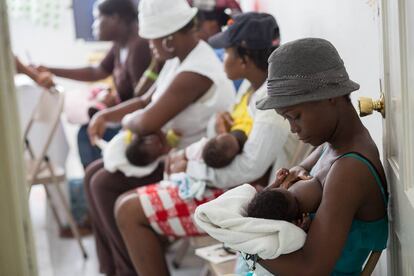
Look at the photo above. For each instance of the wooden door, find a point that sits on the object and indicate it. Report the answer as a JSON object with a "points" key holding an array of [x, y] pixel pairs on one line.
{"points": [[398, 83]]}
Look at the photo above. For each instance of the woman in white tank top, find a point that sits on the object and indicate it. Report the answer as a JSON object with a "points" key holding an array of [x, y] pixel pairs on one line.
{"points": [[191, 87]]}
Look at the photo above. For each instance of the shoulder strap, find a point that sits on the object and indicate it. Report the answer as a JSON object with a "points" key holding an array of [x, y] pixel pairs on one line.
{"points": [[371, 168]]}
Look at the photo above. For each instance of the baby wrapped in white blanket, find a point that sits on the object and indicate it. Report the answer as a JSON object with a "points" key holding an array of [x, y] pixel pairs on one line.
{"points": [[224, 219], [115, 154]]}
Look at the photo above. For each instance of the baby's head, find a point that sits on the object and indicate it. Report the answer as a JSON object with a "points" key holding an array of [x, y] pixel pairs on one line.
{"points": [[220, 151], [143, 151], [275, 203]]}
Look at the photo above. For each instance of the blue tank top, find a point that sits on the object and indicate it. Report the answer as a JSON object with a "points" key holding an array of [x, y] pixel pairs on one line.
{"points": [[363, 236]]}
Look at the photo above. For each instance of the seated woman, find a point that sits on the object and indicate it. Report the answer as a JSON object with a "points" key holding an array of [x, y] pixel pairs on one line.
{"points": [[212, 16], [191, 86], [126, 61], [308, 81], [149, 213]]}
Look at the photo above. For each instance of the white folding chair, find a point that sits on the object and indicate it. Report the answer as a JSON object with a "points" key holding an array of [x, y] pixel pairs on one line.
{"points": [[39, 168]]}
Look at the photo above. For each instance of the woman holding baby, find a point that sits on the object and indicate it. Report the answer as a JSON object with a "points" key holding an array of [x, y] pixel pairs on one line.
{"points": [[149, 214], [309, 87], [191, 86]]}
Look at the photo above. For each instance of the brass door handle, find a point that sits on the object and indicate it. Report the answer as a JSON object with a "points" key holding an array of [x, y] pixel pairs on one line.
{"points": [[368, 105]]}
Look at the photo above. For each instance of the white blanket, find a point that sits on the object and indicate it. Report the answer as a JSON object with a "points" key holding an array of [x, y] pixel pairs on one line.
{"points": [[224, 219], [114, 158]]}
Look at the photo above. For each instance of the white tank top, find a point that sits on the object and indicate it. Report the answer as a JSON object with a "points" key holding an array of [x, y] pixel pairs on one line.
{"points": [[192, 121]]}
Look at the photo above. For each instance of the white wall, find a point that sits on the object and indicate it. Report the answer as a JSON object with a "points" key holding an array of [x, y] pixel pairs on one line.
{"points": [[351, 25], [52, 46]]}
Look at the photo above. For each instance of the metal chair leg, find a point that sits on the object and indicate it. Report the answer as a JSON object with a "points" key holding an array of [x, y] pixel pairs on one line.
{"points": [[71, 221]]}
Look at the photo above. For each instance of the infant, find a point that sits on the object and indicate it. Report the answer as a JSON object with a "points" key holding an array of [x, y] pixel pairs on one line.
{"points": [[133, 156], [142, 151], [220, 151], [280, 203]]}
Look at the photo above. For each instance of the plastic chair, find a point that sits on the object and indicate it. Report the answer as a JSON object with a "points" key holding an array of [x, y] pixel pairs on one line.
{"points": [[39, 168]]}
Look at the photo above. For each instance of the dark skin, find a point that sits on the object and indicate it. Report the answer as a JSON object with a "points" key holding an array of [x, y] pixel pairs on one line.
{"points": [[308, 192], [44, 79], [106, 28], [186, 88], [208, 28], [147, 252], [347, 182], [235, 67]]}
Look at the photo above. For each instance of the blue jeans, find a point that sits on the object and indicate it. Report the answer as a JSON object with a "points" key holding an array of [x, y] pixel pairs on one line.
{"points": [[87, 152]]}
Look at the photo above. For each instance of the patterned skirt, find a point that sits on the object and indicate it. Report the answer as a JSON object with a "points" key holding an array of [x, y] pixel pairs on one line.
{"points": [[170, 215]]}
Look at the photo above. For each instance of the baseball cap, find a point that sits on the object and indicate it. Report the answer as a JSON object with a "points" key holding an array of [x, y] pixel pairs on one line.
{"points": [[251, 30]]}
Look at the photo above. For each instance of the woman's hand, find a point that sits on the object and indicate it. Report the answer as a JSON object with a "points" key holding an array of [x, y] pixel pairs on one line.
{"points": [[295, 174], [45, 79], [175, 162], [179, 166], [97, 127], [41, 68], [224, 121], [286, 178]]}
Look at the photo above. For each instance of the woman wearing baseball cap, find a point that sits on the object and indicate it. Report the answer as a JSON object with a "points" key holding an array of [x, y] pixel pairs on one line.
{"points": [[155, 210], [191, 86], [309, 86]]}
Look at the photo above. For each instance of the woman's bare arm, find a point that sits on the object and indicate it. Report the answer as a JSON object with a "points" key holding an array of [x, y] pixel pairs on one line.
{"points": [[329, 230], [81, 74], [117, 112], [97, 124], [185, 89]]}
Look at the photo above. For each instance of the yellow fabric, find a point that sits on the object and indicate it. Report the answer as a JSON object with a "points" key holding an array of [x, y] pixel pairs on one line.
{"points": [[241, 116], [172, 138], [128, 137]]}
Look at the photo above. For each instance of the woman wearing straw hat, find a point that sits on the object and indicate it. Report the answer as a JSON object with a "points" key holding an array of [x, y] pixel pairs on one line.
{"points": [[191, 86], [309, 86], [155, 211]]}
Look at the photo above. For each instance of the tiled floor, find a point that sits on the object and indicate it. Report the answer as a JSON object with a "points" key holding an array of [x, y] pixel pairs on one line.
{"points": [[62, 257], [57, 256]]}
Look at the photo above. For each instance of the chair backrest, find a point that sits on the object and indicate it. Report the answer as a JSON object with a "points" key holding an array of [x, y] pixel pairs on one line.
{"points": [[371, 263], [43, 123]]}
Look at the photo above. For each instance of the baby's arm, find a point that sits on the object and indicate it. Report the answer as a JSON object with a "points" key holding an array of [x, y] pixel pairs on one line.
{"points": [[281, 175]]}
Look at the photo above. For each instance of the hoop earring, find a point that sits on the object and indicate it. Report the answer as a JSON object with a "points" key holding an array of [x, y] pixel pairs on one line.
{"points": [[165, 46]]}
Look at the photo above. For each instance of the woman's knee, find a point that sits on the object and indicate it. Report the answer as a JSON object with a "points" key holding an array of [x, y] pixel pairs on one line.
{"points": [[128, 211], [102, 182], [91, 170]]}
